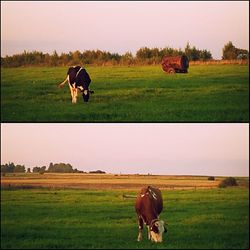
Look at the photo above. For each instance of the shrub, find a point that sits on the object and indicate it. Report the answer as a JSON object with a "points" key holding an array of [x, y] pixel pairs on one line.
{"points": [[229, 181], [211, 178]]}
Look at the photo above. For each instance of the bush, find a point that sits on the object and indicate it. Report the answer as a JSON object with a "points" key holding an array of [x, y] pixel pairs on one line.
{"points": [[230, 181], [211, 178]]}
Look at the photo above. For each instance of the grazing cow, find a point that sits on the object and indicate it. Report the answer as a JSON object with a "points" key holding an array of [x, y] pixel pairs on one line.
{"points": [[78, 79], [148, 206]]}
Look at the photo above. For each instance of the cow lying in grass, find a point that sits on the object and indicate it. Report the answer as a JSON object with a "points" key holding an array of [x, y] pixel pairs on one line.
{"points": [[148, 207], [78, 80]]}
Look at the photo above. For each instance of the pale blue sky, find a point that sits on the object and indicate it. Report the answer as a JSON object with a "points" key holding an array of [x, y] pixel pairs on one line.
{"points": [[190, 149], [123, 25]]}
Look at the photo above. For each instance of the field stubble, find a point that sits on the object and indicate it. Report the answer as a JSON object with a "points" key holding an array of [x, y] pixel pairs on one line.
{"points": [[110, 181]]}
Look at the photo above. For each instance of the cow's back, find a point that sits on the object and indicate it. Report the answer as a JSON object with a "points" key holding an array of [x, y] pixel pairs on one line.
{"points": [[72, 74], [158, 201], [149, 200], [83, 79]]}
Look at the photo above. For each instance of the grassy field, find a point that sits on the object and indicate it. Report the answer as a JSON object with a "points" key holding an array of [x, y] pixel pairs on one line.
{"points": [[85, 219], [79, 211], [207, 93]]}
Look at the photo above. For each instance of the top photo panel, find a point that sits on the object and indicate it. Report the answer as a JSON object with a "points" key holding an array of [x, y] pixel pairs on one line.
{"points": [[124, 61]]}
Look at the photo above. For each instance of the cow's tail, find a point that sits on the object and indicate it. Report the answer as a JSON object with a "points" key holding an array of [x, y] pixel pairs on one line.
{"points": [[61, 85]]}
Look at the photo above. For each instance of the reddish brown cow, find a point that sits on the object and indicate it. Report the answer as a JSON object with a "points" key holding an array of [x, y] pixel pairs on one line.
{"points": [[148, 207]]}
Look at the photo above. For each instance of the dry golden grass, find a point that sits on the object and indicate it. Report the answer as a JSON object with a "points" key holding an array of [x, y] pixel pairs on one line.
{"points": [[220, 62], [109, 181]]}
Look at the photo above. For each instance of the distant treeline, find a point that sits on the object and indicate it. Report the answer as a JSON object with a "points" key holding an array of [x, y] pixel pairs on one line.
{"points": [[53, 168], [144, 56]]}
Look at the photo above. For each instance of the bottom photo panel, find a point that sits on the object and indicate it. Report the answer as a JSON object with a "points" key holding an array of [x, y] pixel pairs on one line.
{"points": [[124, 186]]}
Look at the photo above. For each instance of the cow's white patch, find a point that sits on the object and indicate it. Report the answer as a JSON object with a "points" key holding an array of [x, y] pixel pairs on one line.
{"points": [[153, 194], [157, 237], [80, 87], [85, 92], [139, 238], [78, 72]]}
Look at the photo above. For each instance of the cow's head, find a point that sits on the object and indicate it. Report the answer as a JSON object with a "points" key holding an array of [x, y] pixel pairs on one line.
{"points": [[85, 94], [157, 228]]}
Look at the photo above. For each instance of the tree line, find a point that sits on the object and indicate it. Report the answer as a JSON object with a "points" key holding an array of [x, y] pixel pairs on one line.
{"points": [[144, 56], [53, 168]]}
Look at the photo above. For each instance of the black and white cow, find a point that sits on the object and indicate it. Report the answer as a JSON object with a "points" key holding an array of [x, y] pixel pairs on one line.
{"points": [[78, 79]]}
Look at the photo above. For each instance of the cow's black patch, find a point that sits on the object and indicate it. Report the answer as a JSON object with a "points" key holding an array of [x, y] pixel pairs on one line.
{"points": [[85, 96], [155, 229]]}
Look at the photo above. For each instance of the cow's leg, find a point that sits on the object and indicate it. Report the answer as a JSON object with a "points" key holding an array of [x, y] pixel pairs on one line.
{"points": [[149, 235], [140, 225], [73, 95]]}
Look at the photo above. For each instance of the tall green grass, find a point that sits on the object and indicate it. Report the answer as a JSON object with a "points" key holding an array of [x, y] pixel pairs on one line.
{"points": [[80, 219], [128, 94]]}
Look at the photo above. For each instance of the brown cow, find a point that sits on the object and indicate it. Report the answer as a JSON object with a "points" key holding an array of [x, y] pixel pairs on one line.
{"points": [[148, 206]]}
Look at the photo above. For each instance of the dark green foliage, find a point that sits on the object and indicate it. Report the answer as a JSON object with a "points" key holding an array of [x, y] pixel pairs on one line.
{"points": [[60, 168], [211, 178], [97, 172], [228, 182], [84, 219], [195, 54], [12, 168], [230, 52], [40, 170], [143, 56]]}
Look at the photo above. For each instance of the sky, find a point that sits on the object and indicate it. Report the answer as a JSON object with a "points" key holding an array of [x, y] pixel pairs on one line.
{"points": [[131, 148], [122, 26]]}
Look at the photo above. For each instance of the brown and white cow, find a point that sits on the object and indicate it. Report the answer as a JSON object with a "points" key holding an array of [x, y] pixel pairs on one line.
{"points": [[148, 207]]}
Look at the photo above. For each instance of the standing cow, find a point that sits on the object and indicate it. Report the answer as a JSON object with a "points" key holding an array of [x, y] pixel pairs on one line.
{"points": [[78, 79], [148, 207]]}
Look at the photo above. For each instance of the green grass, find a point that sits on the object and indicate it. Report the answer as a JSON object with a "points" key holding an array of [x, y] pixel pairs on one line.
{"points": [[78, 219], [211, 93]]}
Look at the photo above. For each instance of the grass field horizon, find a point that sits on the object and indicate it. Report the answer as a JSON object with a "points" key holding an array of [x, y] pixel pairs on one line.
{"points": [[208, 93], [112, 181], [52, 216]]}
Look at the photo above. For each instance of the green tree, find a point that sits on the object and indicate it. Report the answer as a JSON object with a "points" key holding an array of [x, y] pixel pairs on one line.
{"points": [[54, 59], [36, 169], [229, 51], [8, 167], [127, 58], [19, 169], [60, 168]]}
